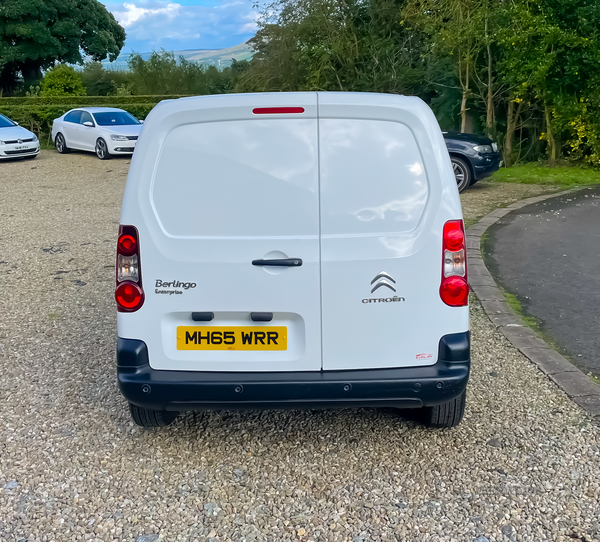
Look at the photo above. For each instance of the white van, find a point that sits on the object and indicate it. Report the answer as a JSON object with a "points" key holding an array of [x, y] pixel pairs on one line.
{"points": [[292, 250]]}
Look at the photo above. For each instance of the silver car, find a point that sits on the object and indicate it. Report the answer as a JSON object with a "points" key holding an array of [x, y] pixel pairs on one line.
{"points": [[16, 141]]}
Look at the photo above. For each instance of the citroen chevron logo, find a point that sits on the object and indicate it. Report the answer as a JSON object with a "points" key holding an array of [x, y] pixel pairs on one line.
{"points": [[383, 279]]}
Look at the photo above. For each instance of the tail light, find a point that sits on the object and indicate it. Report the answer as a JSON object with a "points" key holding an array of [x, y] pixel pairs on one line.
{"points": [[454, 290], [129, 293]]}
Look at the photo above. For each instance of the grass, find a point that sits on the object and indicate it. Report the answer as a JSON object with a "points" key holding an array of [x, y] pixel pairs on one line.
{"points": [[516, 306], [564, 175]]}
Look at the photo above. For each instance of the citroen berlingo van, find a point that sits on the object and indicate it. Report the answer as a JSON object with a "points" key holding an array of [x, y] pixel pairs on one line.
{"points": [[292, 250]]}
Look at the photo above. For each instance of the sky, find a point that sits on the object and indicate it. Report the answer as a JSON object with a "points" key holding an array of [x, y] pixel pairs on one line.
{"points": [[184, 24]]}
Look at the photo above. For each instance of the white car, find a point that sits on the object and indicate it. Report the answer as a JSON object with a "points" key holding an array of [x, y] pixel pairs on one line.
{"points": [[104, 130], [292, 250], [16, 141]]}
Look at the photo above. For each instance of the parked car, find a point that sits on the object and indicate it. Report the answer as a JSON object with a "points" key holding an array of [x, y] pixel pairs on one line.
{"points": [[107, 131], [292, 250], [16, 141], [473, 157]]}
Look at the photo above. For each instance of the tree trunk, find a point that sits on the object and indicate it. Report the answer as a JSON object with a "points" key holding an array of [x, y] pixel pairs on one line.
{"points": [[31, 72], [8, 78], [552, 148], [463, 103], [489, 119], [512, 118]]}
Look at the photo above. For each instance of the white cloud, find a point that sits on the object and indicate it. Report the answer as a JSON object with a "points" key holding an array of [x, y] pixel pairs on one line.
{"points": [[152, 24], [132, 13], [250, 27]]}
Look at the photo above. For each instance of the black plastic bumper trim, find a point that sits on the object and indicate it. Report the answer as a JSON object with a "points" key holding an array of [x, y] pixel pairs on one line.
{"points": [[406, 387], [455, 347]]}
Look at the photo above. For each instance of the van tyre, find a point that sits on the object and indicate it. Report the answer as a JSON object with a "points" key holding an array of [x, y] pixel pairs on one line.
{"points": [[102, 150], [462, 173], [61, 144], [144, 417], [447, 414]]}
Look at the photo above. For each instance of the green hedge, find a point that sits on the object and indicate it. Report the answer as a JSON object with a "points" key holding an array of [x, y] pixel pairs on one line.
{"points": [[85, 101], [37, 114]]}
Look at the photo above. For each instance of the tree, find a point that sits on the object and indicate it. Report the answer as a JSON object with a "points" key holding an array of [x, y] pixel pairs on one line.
{"points": [[458, 30], [162, 73], [62, 80], [99, 81], [551, 51], [354, 45], [34, 34]]}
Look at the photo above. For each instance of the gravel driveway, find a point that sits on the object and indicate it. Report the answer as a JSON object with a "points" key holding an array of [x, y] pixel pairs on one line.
{"points": [[524, 464]]}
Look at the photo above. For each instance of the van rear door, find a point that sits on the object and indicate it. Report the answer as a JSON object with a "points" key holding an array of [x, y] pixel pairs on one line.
{"points": [[380, 232], [233, 192]]}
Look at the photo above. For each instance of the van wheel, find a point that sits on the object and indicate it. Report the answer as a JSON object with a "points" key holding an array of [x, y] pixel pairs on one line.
{"points": [[448, 414], [462, 173], [61, 144], [144, 417], [102, 150]]}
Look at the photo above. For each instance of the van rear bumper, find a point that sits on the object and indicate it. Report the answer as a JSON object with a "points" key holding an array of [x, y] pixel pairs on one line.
{"points": [[408, 387]]}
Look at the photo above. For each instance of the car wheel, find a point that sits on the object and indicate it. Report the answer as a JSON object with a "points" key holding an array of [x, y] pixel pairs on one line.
{"points": [[144, 417], [448, 414], [462, 173], [102, 150], [61, 144]]}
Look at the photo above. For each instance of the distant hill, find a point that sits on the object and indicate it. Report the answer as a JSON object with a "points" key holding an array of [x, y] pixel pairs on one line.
{"points": [[221, 58]]}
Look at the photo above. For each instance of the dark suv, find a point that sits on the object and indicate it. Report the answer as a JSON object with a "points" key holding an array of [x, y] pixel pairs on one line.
{"points": [[473, 157]]}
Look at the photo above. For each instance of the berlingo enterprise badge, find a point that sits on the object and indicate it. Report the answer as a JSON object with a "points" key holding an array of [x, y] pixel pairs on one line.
{"points": [[173, 287]]}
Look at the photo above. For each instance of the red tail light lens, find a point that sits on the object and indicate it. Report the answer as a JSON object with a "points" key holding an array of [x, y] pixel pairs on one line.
{"points": [[129, 292], [455, 292], [454, 238], [454, 289], [127, 244], [129, 296]]}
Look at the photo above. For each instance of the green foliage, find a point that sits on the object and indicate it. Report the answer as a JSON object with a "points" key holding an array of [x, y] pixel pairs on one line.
{"points": [[35, 34], [62, 80], [99, 81], [33, 91], [352, 45], [162, 73]]}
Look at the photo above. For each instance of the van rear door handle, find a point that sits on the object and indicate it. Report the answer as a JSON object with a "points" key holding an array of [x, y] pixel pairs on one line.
{"points": [[283, 262]]}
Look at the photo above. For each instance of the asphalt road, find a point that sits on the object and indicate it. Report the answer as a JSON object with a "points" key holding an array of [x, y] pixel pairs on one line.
{"points": [[548, 256]]}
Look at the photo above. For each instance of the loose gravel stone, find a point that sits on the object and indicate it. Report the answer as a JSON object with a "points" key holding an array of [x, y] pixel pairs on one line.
{"points": [[84, 471], [485, 196]]}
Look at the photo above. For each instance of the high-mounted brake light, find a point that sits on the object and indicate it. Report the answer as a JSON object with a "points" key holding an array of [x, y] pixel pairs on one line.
{"points": [[454, 289], [276, 110], [129, 292]]}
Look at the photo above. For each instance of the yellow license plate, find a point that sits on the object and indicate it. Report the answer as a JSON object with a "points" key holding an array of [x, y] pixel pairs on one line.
{"points": [[232, 338]]}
